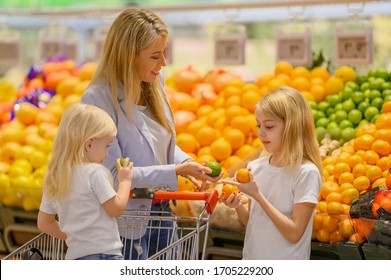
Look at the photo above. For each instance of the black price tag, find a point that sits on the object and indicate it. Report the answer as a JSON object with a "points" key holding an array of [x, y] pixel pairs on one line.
{"points": [[50, 47], [294, 48], [10, 51], [353, 47], [230, 50]]}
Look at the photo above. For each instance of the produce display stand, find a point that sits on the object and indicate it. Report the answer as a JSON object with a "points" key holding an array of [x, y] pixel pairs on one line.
{"points": [[338, 251], [376, 252]]}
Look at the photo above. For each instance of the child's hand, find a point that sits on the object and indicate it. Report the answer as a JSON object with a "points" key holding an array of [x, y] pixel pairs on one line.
{"points": [[249, 188], [233, 201], [125, 171]]}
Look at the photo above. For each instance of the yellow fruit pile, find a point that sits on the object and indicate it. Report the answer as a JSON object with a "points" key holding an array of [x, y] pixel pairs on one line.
{"points": [[363, 163], [314, 85]]}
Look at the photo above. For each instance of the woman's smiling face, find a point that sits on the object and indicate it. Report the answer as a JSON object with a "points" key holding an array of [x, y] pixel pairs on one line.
{"points": [[152, 59]]}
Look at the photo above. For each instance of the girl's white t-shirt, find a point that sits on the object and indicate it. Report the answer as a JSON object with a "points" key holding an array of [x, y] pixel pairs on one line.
{"points": [[90, 230], [262, 239]]}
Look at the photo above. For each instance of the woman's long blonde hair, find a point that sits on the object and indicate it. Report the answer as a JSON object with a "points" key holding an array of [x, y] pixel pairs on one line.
{"points": [[131, 32], [79, 123], [299, 141]]}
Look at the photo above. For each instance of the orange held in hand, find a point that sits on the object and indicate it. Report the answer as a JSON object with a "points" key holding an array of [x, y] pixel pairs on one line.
{"points": [[228, 189], [242, 175]]}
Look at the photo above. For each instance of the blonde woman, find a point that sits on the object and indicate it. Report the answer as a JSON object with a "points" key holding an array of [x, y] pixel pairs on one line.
{"points": [[79, 189], [128, 85], [285, 184]]}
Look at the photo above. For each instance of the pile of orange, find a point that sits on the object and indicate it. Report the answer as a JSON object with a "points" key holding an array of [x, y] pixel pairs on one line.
{"points": [[314, 84], [362, 164], [217, 124]]}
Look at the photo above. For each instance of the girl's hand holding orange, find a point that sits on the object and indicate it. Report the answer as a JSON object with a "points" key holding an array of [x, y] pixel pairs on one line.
{"points": [[250, 188]]}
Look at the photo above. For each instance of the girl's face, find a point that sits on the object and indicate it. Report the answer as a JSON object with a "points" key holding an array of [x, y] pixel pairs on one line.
{"points": [[151, 60], [96, 148], [270, 132]]}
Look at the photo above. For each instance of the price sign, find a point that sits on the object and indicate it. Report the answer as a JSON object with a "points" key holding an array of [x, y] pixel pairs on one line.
{"points": [[294, 48], [71, 50], [50, 47], [10, 50], [230, 49], [354, 47]]}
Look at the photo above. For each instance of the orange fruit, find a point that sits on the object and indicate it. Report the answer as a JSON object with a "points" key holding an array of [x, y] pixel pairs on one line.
{"points": [[373, 173], [220, 149], [356, 238], [241, 123], [363, 142], [345, 177], [379, 182], [384, 163], [343, 157], [386, 107], [300, 83], [361, 183], [348, 195], [249, 99], [340, 168], [275, 83], [321, 206], [195, 126], [235, 137], [329, 160], [327, 188], [346, 210], [204, 110], [319, 72], [206, 136], [283, 67], [233, 100], [383, 148], [205, 158], [386, 204], [187, 142], [233, 111], [359, 170], [353, 160], [334, 197], [370, 157], [336, 237], [383, 134], [333, 85], [229, 189], [348, 149], [345, 73], [300, 71], [242, 175], [185, 184], [229, 91], [369, 128], [345, 186], [330, 224], [383, 121], [345, 228], [334, 208], [264, 79], [317, 222], [232, 161], [323, 236], [318, 92]]}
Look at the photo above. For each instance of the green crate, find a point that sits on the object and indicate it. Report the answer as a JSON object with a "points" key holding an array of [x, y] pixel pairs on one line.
{"points": [[338, 251], [376, 252]]}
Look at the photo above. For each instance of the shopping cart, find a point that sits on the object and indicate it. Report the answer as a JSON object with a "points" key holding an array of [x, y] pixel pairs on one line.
{"points": [[187, 238]]}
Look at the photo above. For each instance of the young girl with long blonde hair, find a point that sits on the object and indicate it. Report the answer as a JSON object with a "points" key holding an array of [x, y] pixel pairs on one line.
{"points": [[79, 189], [284, 183]]}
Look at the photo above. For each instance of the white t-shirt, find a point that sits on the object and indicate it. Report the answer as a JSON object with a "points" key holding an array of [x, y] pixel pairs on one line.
{"points": [[160, 136], [262, 239], [90, 230]]}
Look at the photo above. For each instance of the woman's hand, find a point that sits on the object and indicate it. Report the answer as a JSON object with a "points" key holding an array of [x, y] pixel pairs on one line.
{"points": [[196, 172]]}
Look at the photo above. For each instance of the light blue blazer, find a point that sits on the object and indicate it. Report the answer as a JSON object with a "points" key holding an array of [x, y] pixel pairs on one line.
{"points": [[134, 141]]}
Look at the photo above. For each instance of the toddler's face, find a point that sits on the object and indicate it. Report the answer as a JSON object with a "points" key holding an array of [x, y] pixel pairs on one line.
{"points": [[96, 148]]}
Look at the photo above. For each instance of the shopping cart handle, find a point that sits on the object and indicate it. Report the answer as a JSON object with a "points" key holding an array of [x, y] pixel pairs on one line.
{"points": [[210, 197]]}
